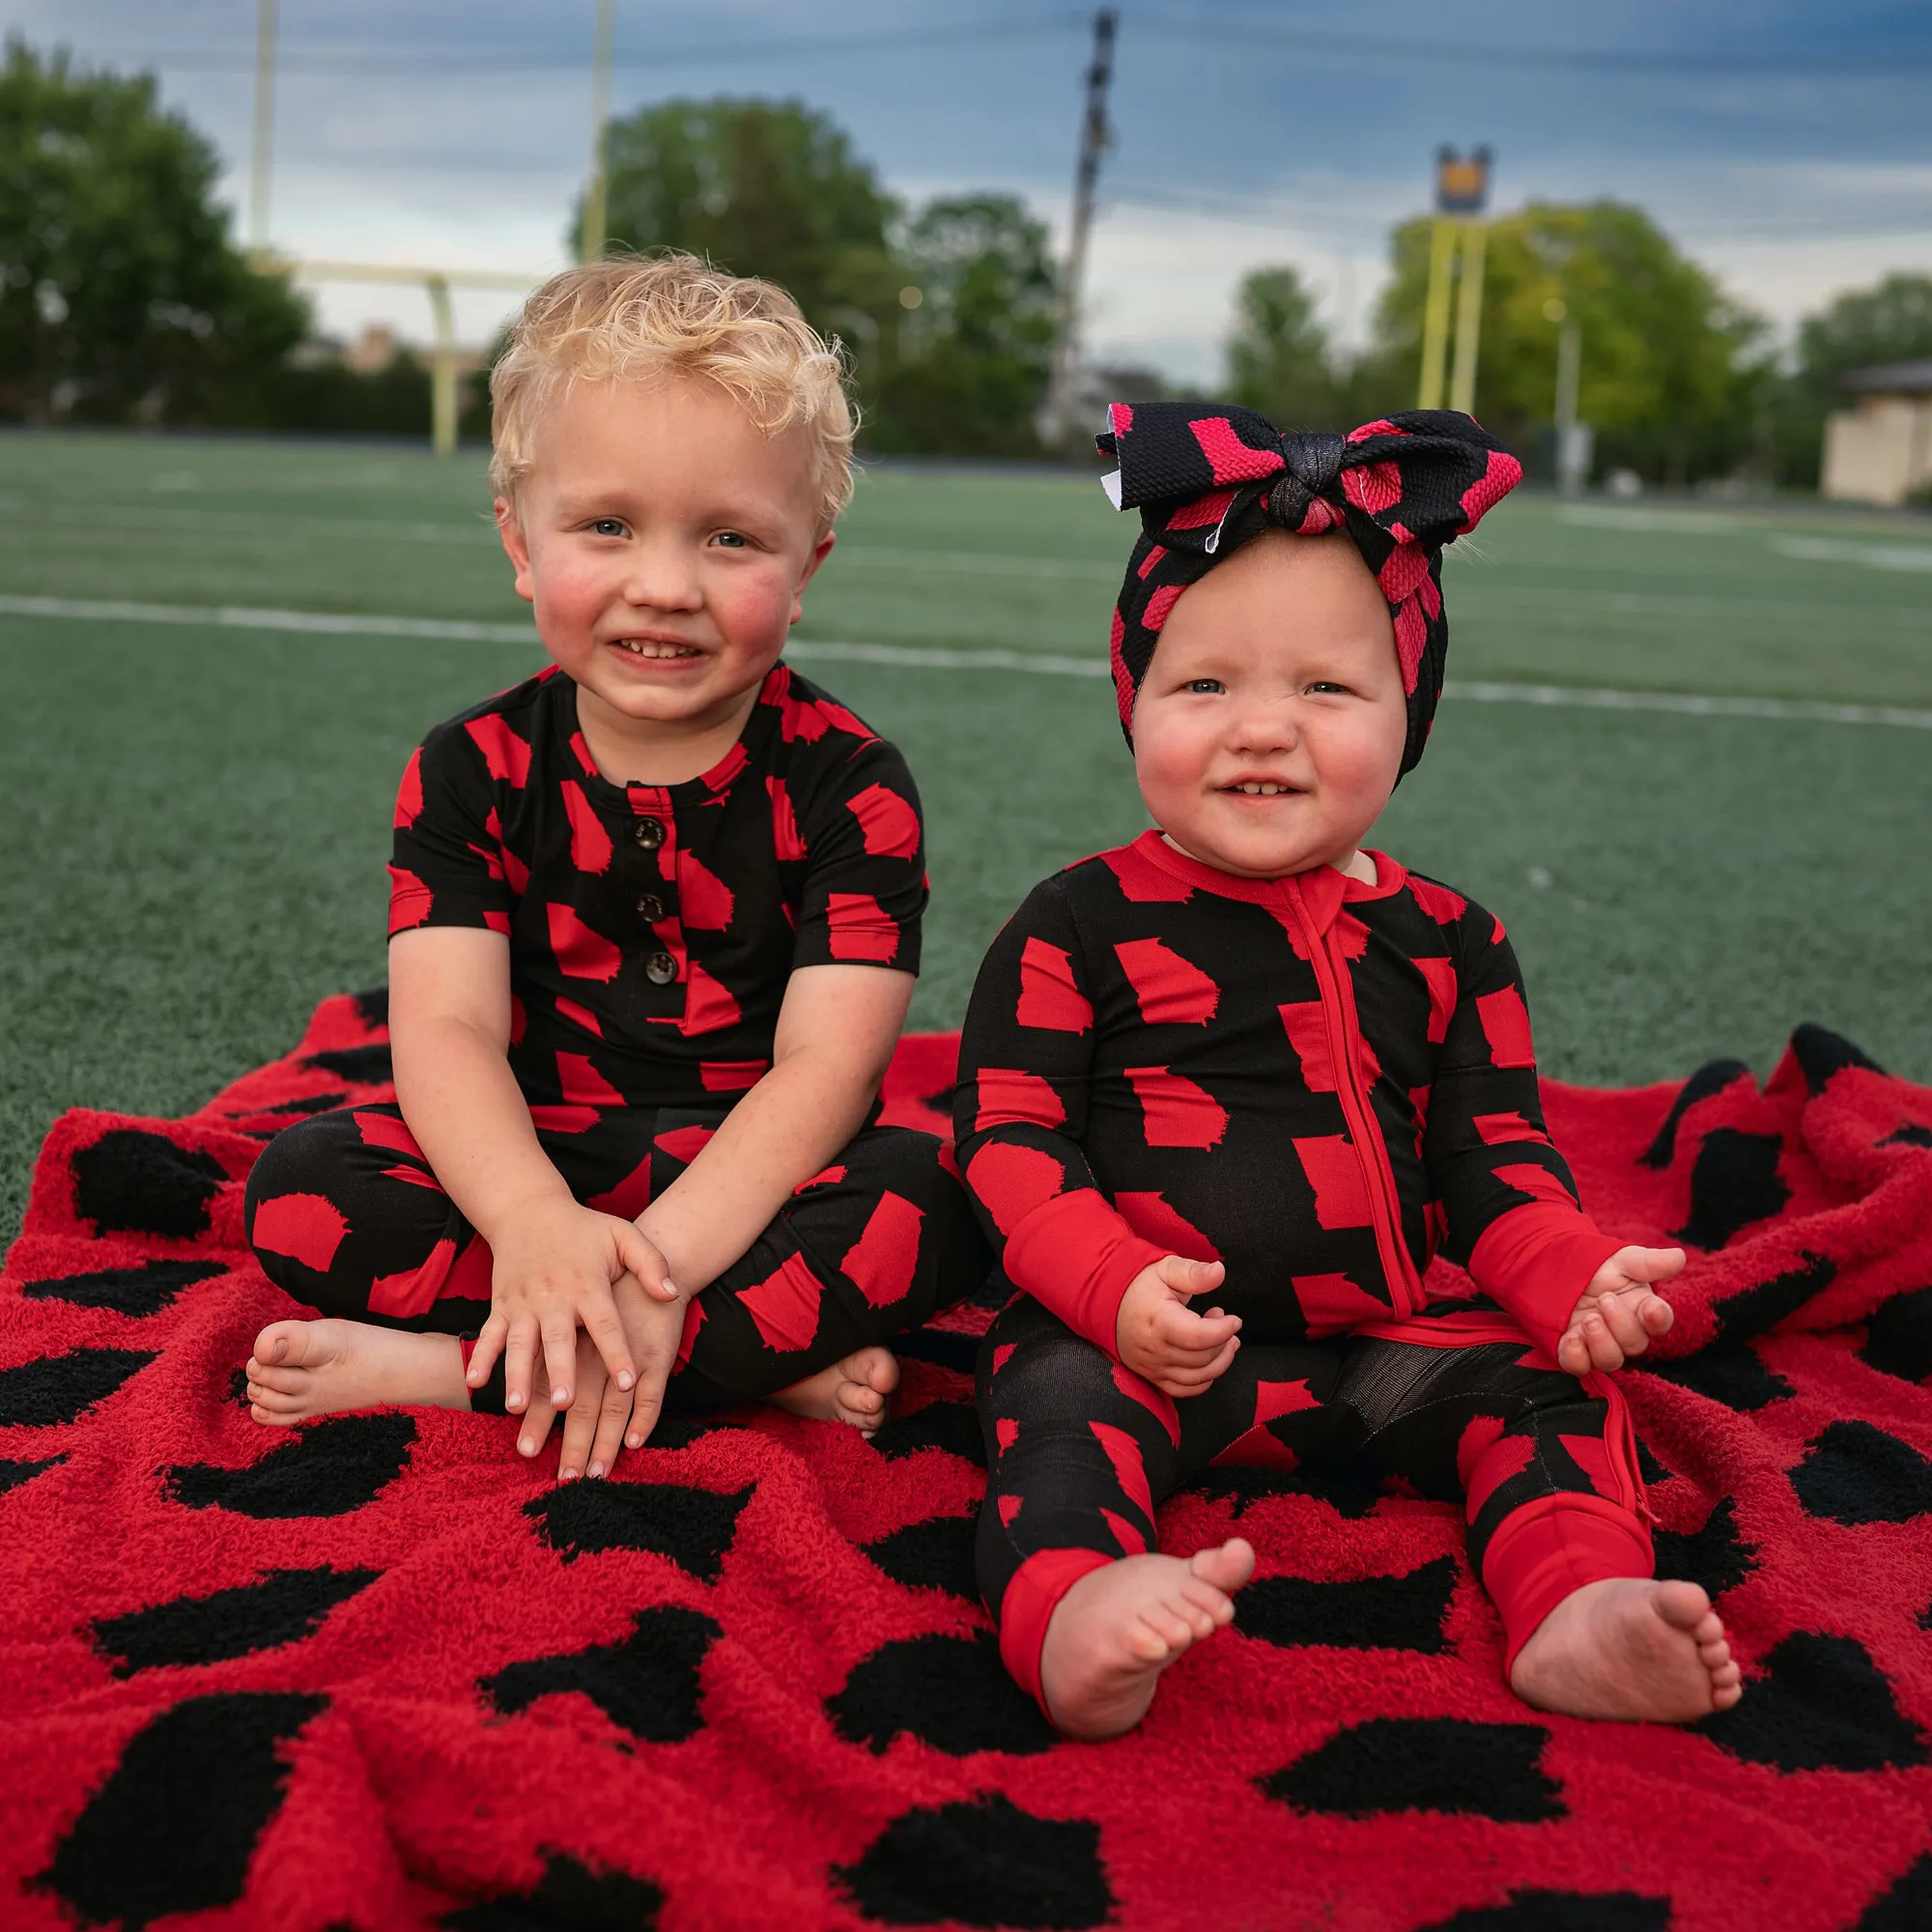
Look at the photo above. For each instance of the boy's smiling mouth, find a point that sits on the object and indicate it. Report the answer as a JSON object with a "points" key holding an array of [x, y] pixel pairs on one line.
{"points": [[1260, 789], [659, 648]]}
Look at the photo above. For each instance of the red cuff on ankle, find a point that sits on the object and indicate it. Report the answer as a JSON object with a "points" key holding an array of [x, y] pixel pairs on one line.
{"points": [[1543, 1552], [1028, 1606]]}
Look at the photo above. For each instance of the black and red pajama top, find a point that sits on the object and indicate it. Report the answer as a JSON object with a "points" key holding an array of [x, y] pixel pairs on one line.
{"points": [[1316, 1080], [653, 928]]}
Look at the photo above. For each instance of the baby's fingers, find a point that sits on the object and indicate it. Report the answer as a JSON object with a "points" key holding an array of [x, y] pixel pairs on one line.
{"points": [[488, 1347], [1182, 1381], [613, 1413], [1180, 1328], [520, 1350], [559, 1344], [606, 1330]]}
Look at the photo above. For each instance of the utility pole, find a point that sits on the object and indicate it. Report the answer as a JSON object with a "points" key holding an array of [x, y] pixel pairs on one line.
{"points": [[1470, 318], [261, 171], [1575, 439], [1095, 136], [597, 199]]}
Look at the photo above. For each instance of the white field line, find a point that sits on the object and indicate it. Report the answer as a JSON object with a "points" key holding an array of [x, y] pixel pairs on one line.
{"points": [[325, 623]]}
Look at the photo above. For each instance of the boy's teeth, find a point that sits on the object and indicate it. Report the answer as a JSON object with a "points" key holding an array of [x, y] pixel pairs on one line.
{"points": [[645, 648], [1258, 790]]}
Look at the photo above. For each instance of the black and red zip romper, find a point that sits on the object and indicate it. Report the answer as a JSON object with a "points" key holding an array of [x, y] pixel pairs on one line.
{"points": [[1320, 1083]]}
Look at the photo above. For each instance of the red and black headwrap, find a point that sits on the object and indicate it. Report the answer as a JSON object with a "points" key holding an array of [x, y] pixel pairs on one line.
{"points": [[1206, 479]]}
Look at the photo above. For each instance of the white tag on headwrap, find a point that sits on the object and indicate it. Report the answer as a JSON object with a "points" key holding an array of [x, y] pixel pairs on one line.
{"points": [[1111, 483]]}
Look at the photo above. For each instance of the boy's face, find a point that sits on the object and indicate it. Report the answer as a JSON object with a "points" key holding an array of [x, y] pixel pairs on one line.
{"points": [[665, 542], [1269, 728]]}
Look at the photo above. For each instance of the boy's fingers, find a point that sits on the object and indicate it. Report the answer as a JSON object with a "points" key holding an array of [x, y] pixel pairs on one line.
{"points": [[613, 1413], [580, 1429], [533, 1431], [518, 1355], [606, 1330], [639, 1254], [559, 1344], [488, 1347]]}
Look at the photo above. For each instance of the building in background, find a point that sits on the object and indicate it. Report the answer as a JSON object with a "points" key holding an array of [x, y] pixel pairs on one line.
{"points": [[1882, 451]]}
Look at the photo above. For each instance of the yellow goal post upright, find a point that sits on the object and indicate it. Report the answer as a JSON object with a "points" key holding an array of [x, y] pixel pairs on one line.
{"points": [[437, 284], [1462, 194]]}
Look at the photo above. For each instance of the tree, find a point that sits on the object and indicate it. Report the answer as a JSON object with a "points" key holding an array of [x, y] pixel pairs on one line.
{"points": [[1278, 356], [1862, 328], [123, 298], [968, 366], [1674, 373], [760, 188]]}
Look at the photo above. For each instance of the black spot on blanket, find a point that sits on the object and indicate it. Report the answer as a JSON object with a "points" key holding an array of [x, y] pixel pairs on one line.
{"points": [[57, 1388], [316, 1103], [1733, 1182], [936, 1555], [1715, 1555], [1372, 1613], [285, 1606], [1424, 1764], [13, 1474], [1821, 1053], [372, 1006], [1648, 1467], [146, 1289], [359, 1065], [132, 1182], [951, 1426], [1821, 1705], [175, 1825], [331, 1468], [952, 1692], [1754, 1310], [1898, 1337], [1563, 1911], [1854, 1472], [1906, 1905], [646, 1683], [982, 1862], [1712, 1077], [569, 1897], [692, 1528], [1911, 1134], [1729, 1373]]}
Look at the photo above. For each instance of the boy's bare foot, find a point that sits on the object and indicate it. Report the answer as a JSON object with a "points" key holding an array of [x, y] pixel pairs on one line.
{"points": [[855, 1390], [1118, 1628], [1632, 1648], [303, 1369]]}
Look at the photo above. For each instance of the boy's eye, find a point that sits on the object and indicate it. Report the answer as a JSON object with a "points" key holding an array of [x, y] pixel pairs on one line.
{"points": [[731, 539], [607, 527]]}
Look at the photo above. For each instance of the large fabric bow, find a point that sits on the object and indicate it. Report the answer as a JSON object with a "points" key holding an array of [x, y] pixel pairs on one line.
{"points": [[1207, 479]]}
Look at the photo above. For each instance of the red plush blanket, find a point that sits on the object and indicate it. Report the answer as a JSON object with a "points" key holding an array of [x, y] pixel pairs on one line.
{"points": [[379, 1673]]}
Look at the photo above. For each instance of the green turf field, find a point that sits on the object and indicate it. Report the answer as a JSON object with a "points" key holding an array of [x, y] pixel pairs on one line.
{"points": [[198, 811]]}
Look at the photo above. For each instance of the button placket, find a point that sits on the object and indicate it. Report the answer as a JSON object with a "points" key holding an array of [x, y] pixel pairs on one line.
{"points": [[655, 831]]}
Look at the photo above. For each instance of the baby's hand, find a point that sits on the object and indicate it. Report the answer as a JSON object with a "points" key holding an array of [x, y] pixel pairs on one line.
{"points": [[553, 1268], [1618, 1313], [1158, 1336]]}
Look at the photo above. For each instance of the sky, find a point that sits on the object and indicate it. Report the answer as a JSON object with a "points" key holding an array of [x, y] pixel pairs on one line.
{"points": [[1786, 144]]}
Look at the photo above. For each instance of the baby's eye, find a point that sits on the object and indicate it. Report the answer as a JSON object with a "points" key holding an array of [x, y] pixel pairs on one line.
{"points": [[1207, 686], [607, 527], [1327, 684]]}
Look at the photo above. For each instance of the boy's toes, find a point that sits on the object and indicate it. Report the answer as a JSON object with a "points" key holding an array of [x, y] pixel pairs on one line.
{"points": [[282, 1345], [1227, 1567], [1685, 1606]]}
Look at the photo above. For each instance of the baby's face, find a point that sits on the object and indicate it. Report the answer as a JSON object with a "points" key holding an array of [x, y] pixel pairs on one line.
{"points": [[1270, 730], [665, 542]]}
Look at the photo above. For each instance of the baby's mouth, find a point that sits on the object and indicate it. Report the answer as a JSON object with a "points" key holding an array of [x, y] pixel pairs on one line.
{"points": [[1261, 788]]}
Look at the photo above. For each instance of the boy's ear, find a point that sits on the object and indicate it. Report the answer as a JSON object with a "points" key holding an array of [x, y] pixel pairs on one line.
{"points": [[510, 529], [820, 551]]}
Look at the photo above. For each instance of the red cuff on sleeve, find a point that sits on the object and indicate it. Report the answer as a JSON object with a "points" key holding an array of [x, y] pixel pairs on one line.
{"points": [[1537, 1261], [1076, 1256]]}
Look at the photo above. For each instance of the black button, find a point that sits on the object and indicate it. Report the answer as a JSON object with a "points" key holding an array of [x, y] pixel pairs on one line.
{"points": [[650, 834], [651, 907], [659, 969]]}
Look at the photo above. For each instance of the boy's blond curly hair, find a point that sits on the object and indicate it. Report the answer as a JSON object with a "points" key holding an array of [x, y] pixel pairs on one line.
{"points": [[643, 316]]}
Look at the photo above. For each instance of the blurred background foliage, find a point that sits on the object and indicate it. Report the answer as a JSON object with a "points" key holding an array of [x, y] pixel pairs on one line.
{"points": [[124, 298]]}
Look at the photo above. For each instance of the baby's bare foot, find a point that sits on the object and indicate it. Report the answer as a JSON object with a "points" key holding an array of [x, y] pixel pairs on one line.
{"points": [[1629, 1647], [854, 1391], [1118, 1628], [303, 1369]]}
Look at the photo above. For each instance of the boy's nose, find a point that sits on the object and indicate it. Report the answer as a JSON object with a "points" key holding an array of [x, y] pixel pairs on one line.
{"points": [[661, 577]]}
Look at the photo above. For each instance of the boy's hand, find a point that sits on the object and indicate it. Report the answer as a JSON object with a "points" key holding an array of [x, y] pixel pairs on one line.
{"points": [[1618, 1313], [1158, 1336], [553, 1275], [604, 1417]]}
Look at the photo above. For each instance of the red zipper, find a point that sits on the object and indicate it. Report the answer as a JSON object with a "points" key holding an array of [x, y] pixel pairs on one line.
{"points": [[1338, 1008]]}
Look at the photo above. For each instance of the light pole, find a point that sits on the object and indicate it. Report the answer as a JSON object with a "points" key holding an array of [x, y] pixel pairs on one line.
{"points": [[1574, 438], [597, 200], [262, 169]]}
